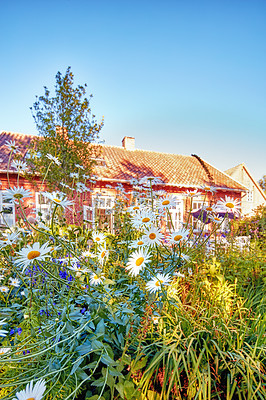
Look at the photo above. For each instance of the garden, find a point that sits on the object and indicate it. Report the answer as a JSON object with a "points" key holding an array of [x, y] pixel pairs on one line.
{"points": [[141, 312]]}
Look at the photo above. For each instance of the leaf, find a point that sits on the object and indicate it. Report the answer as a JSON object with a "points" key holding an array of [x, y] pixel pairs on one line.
{"points": [[129, 389], [107, 360], [75, 366], [136, 365], [100, 329], [84, 348]]}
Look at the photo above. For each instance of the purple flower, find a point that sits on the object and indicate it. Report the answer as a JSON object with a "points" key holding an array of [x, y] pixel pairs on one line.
{"points": [[19, 331], [12, 331]]}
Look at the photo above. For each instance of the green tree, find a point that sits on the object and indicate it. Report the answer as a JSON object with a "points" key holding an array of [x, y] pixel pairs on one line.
{"points": [[262, 183], [68, 130]]}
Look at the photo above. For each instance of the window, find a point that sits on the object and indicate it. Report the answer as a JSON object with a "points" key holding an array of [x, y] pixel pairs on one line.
{"points": [[7, 212], [196, 223], [43, 205], [176, 213], [99, 214], [250, 196]]}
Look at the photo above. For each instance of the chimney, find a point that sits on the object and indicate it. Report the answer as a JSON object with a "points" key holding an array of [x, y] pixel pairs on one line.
{"points": [[128, 143]]}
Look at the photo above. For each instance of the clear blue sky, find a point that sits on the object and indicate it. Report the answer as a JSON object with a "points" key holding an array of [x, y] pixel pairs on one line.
{"points": [[180, 76]]}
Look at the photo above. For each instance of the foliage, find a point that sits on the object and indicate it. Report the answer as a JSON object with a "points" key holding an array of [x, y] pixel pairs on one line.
{"points": [[262, 183]]}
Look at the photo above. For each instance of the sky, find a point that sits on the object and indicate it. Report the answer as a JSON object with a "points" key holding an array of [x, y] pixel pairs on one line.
{"points": [[184, 77]]}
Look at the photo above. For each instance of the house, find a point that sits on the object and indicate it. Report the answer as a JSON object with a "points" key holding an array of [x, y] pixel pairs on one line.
{"points": [[119, 166], [255, 196]]}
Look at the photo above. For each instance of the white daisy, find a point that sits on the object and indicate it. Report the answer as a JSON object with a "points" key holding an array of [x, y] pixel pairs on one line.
{"points": [[229, 204], [16, 193], [155, 319], [19, 165], [167, 202], [98, 237], [14, 282], [209, 189], [88, 253], [79, 166], [210, 208], [184, 257], [4, 350], [11, 145], [2, 277], [157, 282], [148, 180], [53, 158], [3, 332], [58, 198], [216, 219], [29, 254], [179, 275], [74, 175], [192, 193], [9, 239], [96, 279], [178, 236], [102, 255], [143, 218], [32, 392], [190, 272], [136, 244], [4, 289], [152, 237], [137, 261], [78, 269]]}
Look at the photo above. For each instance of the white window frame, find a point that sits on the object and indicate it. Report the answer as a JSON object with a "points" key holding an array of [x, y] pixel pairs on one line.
{"points": [[250, 196], [5, 220], [43, 207], [177, 212], [196, 223], [99, 202]]}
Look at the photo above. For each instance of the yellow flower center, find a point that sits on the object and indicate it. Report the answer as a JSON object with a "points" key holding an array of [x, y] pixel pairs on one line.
{"points": [[140, 242], [18, 196], [97, 239], [207, 188], [139, 261], [31, 398], [95, 277], [208, 208], [152, 236], [177, 238], [230, 205], [165, 202], [136, 208], [103, 254], [33, 254], [158, 283], [57, 200], [146, 219]]}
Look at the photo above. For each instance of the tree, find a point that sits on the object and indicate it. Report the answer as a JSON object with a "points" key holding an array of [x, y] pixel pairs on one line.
{"points": [[68, 131], [262, 183]]}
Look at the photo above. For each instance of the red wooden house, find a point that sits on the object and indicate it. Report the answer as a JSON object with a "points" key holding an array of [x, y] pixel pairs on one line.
{"points": [[119, 166]]}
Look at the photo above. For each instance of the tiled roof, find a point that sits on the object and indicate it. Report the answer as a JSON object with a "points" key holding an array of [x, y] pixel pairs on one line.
{"points": [[123, 165]]}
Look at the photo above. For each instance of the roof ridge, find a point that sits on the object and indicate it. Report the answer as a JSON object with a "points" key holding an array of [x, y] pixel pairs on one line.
{"points": [[146, 151]]}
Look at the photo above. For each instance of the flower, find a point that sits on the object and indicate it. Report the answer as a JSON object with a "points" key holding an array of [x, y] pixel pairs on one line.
{"points": [[177, 236], [157, 282], [179, 275], [29, 254], [167, 202], [148, 180], [9, 239], [192, 193], [32, 392], [11, 145], [19, 165], [53, 158], [137, 261], [58, 198], [88, 253], [74, 175], [184, 257], [96, 279], [210, 189], [79, 166], [3, 332], [4, 350], [102, 255], [142, 218], [98, 237], [14, 282], [4, 289], [136, 244], [155, 319], [229, 204], [152, 236], [215, 218], [190, 272], [16, 193], [78, 269]]}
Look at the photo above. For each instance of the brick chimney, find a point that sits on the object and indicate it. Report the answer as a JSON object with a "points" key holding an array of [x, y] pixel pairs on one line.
{"points": [[128, 143]]}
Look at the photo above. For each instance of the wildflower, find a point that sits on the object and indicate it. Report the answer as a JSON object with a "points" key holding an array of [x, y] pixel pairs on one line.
{"points": [[16, 193], [32, 392], [178, 236], [192, 193], [19, 331], [215, 218], [102, 255], [155, 319], [9, 239], [12, 331], [58, 198], [190, 272], [74, 175], [96, 279], [29, 254], [157, 282], [19, 165], [229, 204], [136, 244], [152, 237], [14, 282], [3, 332], [2, 277], [209, 189], [167, 202], [184, 257], [79, 166], [137, 261], [148, 180], [98, 237], [88, 254], [4, 350], [11, 145], [142, 218], [53, 158], [78, 269], [179, 275], [4, 289]]}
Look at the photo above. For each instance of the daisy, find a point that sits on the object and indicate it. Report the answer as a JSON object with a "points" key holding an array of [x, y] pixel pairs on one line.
{"points": [[19, 165], [16, 193], [79, 166], [229, 204], [32, 392], [215, 218], [167, 202], [74, 175], [152, 237], [137, 261], [2, 277], [184, 257], [96, 279], [53, 158], [58, 198], [4, 350], [136, 244], [11, 145], [209, 208], [14, 282], [189, 271], [88, 254], [142, 218], [148, 180], [157, 282], [178, 236], [134, 209], [155, 319], [78, 269], [102, 255], [192, 193], [4, 289], [209, 189], [98, 237], [29, 254], [9, 239], [179, 275], [3, 332]]}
